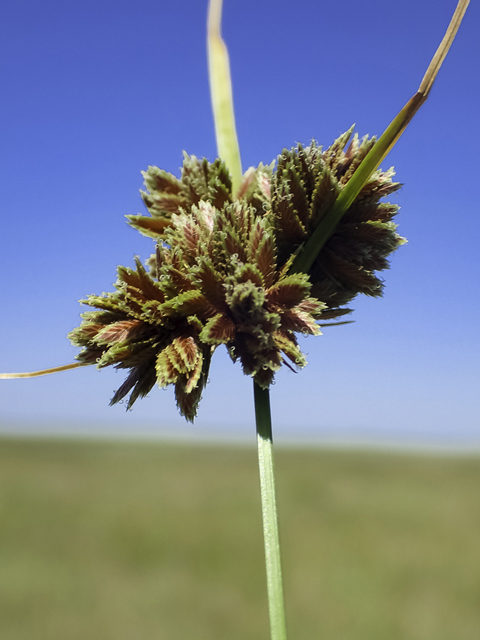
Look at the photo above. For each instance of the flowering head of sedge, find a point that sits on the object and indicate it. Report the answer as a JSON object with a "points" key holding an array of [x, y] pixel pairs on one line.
{"points": [[220, 273]]}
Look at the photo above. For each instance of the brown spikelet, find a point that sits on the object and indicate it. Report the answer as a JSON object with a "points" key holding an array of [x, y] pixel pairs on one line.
{"points": [[218, 330], [118, 331], [266, 260], [188, 350], [325, 193], [289, 292], [151, 227], [167, 372], [161, 181], [234, 245], [194, 374], [249, 272], [256, 236], [211, 285]]}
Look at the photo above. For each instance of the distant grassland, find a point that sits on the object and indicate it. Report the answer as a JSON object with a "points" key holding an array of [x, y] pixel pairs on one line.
{"points": [[129, 541]]}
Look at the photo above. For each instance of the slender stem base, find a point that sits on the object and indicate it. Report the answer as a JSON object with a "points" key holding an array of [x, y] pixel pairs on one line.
{"points": [[269, 514]]}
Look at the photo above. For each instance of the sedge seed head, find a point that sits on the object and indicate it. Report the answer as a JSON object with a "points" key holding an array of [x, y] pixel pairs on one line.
{"points": [[220, 272]]}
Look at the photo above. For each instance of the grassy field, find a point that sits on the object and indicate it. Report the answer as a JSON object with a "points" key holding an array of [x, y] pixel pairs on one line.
{"points": [[128, 541]]}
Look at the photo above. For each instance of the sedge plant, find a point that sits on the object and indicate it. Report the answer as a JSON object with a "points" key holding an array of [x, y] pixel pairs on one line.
{"points": [[250, 261]]}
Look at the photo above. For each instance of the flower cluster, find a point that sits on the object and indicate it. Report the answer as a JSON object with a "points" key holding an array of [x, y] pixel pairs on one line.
{"points": [[221, 270]]}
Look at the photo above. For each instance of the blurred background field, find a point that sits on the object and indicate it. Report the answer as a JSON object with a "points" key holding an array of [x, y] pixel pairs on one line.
{"points": [[130, 540]]}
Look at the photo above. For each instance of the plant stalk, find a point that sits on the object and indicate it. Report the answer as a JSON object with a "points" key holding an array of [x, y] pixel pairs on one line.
{"points": [[222, 98], [269, 514]]}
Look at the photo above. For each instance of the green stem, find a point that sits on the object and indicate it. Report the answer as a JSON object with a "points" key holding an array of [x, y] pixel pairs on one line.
{"points": [[269, 513], [222, 98]]}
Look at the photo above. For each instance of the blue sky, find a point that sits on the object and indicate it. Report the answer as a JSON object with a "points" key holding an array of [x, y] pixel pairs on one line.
{"points": [[94, 92]]}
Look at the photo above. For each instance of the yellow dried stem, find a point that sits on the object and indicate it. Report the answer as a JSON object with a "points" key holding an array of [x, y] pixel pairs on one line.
{"points": [[43, 372]]}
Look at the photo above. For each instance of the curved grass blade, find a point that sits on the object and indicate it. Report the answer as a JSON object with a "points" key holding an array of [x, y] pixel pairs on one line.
{"points": [[379, 151]]}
